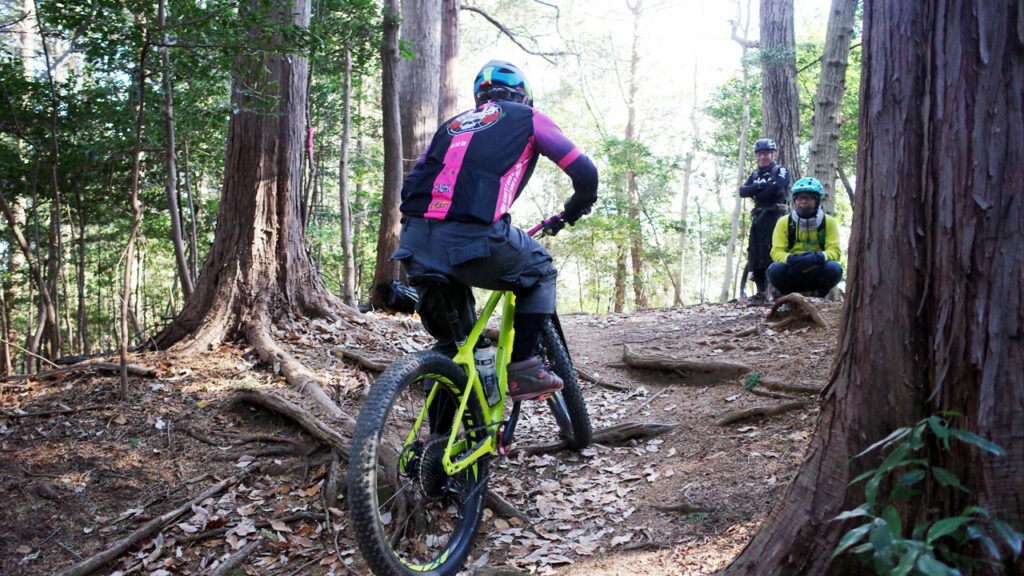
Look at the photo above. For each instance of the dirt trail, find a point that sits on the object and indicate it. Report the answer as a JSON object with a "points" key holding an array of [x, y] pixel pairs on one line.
{"points": [[684, 502]]}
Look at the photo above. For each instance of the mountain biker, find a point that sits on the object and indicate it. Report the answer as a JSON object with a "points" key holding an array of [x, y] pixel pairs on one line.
{"points": [[805, 245], [455, 221], [768, 185]]}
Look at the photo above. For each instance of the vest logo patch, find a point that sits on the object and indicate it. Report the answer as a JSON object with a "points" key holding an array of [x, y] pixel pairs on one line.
{"points": [[476, 120]]}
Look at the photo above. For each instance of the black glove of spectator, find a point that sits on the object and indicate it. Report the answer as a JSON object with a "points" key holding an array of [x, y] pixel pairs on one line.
{"points": [[819, 258]]}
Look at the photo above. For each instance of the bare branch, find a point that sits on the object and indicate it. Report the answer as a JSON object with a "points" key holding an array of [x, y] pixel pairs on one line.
{"points": [[742, 41], [512, 35]]}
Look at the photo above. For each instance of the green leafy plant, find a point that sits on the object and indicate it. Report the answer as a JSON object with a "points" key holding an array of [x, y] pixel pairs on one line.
{"points": [[935, 547], [753, 379]]}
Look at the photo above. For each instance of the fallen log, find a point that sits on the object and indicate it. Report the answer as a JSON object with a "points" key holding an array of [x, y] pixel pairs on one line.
{"points": [[134, 369], [780, 386], [148, 529], [740, 415], [681, 366], [611, 435]]}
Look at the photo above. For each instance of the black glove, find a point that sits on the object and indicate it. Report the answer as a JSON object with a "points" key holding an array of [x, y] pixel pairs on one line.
{"points": [[792, 259], [553, 225], [819, 258], [574, 210]]}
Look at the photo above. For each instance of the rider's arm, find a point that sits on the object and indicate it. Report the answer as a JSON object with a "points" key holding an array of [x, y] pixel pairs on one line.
{"points": [[550, 142], [749, 188], [778, 185]]}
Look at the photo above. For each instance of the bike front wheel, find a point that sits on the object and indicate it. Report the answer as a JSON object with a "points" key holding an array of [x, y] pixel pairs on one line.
{"points": [[408, 516], [567, 406]]}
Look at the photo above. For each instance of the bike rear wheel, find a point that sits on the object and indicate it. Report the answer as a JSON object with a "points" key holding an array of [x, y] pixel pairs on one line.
{"points": [[567, 406], [408, 516]]}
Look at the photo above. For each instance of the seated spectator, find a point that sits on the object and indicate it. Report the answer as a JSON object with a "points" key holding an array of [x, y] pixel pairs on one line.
{"points": [[805, 245]]}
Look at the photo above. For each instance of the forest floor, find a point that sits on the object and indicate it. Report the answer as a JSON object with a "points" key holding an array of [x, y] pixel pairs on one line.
{"points": [[81, 472]]}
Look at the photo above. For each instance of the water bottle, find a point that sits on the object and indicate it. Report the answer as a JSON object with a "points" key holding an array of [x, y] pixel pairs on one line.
{"points": [[484, 358]]}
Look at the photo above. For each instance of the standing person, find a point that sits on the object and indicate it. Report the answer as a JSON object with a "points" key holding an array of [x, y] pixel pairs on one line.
{"points": [[805, 245], [455, 221], [769, 188]]}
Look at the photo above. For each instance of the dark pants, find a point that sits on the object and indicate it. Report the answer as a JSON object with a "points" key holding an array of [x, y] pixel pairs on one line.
{"points": [[819, 279], [495, 256], [759, 245]]}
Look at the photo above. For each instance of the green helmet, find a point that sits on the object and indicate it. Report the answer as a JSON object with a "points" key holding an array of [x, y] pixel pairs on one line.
{"points": [[808, 184]]}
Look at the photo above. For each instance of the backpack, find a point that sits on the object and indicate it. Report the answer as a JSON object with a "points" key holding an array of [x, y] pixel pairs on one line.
{"points": [[792, 233]]}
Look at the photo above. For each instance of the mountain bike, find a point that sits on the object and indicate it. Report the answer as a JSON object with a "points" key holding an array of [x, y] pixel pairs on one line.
{"points": [[425, 440]]}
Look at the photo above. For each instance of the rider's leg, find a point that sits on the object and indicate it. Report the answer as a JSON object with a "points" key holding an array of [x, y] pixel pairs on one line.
{"points": [[437, 301]]}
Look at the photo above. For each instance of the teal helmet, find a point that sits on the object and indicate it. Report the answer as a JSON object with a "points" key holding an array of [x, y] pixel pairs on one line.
{"points": [[499, 80], [808, 184]]}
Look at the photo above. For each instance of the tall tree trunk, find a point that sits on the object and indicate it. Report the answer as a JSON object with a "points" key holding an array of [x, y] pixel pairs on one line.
{"points": [[419, 79], [824, 154], [635, 235], [171, 154], [193, 241], [348, 263], [447, 104], [386, 270], [741, 163], [933, 319], [780, 100], [129, 250], [26, 28], [619, 302], [81, 317], [258, 267], [56, 258], [6, 365], [688, 171]]}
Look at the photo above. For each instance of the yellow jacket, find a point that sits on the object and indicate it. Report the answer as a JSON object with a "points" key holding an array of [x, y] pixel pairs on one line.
{"points": [[805, 241]]}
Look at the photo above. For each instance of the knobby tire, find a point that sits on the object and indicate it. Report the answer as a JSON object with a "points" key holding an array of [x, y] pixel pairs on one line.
{"points": [[416, 520], [568, 407]]}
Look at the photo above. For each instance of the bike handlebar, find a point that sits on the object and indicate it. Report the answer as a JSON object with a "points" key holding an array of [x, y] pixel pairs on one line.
{"points": [[544, 225]]}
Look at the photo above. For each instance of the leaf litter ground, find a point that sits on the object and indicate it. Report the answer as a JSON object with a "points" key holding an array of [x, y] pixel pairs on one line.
{"points": [[80, 471]]}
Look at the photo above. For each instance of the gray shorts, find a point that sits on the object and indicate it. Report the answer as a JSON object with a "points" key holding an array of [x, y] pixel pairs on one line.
{"points": [[495, 256]]}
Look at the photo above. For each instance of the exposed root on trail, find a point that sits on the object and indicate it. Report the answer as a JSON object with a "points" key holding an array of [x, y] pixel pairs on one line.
{"points": [[310, 423], [616, 434], [135, 369], [740, 415], [595, 379], [504, 508], [365, 362], [295, 372], [794, 309], [683, 367]]}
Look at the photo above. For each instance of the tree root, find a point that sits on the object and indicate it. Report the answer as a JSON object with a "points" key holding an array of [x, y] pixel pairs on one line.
{"points": [[740, 415], [237, 558], [791, 315], [311, 424], [682, 367], [505, 509], [297, 375], [594, 379], [148, 529], [611, 435], [682, 507], [365, 362], [780, 386]]}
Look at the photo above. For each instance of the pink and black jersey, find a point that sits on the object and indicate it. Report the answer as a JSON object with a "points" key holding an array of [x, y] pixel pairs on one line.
{"points": [[479, 161]]}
